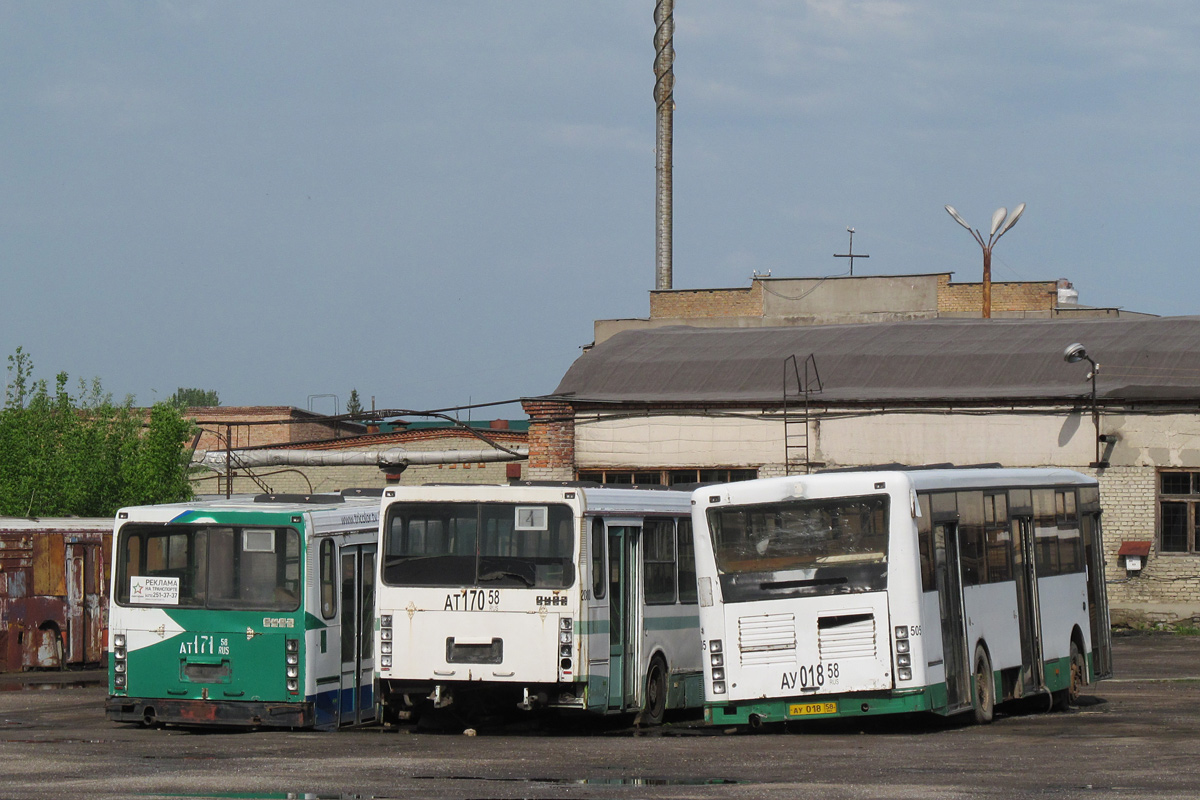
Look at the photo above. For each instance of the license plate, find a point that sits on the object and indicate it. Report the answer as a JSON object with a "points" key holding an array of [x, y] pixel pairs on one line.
{"points": [[807, 709]]}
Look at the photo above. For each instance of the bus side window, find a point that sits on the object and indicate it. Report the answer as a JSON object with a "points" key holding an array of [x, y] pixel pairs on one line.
{"points": [[687, 562], [998, 538], [328, 580], [659, 557], [1045, 530], [597, 557], [925, 543], [1070, 549], [970, 537]]}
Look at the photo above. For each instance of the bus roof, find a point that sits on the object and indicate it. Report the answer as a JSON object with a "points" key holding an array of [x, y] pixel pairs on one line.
{"points": [[594, 499]]}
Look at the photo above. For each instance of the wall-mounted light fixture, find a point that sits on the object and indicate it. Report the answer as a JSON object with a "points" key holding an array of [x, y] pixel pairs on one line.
{"points": [[1074, 353]]}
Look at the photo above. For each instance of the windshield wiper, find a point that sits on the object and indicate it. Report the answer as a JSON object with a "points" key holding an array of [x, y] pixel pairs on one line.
{"points": [[497, 574]]}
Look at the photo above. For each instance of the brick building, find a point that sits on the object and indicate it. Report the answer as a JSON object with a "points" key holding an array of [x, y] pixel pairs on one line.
{"points": [[772, 302], [680, 404], [443, 439]]}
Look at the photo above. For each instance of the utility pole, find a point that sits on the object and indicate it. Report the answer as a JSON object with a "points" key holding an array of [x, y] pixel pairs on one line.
{"points": [[664, 100]]}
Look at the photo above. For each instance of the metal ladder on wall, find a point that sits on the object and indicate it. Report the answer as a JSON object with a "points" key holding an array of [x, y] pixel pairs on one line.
{"points": [[799, 384]]}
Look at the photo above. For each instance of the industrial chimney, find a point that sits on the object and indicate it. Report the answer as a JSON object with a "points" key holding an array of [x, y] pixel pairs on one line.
{"points": [[664, 99]]}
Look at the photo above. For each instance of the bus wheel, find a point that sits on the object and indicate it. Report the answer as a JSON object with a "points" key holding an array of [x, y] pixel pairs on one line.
{"points": [[983, 687], [655, 708], [1068, 697]]}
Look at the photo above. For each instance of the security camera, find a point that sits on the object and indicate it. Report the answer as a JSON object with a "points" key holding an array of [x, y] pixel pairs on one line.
{"points": [[1074, 352]]}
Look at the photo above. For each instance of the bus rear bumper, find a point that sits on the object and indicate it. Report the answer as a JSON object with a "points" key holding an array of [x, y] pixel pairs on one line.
{"points": [[860, 704], [250, 714]]}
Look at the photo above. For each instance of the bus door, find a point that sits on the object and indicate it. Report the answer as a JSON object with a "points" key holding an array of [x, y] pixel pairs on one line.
{"points": [[356, 699], [948, 575], [623, 619], [1033, 678], [1097, 594], [596, 628]]}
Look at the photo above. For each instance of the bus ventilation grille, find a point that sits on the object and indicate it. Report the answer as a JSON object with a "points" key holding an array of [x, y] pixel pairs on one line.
{"points": [[767, 639], [846, 635]]}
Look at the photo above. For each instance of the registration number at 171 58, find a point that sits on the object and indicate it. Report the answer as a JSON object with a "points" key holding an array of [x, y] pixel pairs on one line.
{"points": [[807, 709]]}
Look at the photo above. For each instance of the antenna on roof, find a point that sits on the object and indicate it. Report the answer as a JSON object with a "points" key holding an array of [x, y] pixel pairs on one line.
{"points": [[851, 254]]}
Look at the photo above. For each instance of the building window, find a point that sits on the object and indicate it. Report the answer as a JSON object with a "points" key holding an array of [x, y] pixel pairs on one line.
{"points": [[1178, 512], [666, 477]]}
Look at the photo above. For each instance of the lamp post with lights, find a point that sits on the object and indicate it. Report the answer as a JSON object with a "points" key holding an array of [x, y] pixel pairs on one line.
{"points": [[1001, 222]]}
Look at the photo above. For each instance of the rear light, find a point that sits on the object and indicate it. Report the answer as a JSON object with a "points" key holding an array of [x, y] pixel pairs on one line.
{"points": [[903, 657], [120, 665], [566, 647], [385, 641], [716, 660], [291, 659]]}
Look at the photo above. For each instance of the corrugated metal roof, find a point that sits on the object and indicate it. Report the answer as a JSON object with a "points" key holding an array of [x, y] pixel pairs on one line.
{"points": [[919, 361]]}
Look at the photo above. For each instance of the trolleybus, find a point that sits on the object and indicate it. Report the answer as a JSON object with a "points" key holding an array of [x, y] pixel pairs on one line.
{"points": [[563, 597], [875, 592], [251, 611]]}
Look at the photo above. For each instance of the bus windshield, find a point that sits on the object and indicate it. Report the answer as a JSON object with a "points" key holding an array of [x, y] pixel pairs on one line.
{"points": [[209, 566], [479, 544], [827, 545]]}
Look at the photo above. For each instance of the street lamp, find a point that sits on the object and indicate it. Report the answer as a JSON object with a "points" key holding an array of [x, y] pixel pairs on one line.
{"points": [[1073, 354], [1000, 226]]}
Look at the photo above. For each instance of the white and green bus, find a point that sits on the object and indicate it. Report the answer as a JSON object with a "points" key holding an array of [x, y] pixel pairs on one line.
{"points": [[846, 594], [562, 597], [250, 611]]}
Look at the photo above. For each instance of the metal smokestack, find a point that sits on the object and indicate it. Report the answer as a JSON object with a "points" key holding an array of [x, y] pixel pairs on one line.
{"points": [[664, 99]]}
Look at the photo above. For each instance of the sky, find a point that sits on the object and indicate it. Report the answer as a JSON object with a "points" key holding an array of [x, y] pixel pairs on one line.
{"points": [[431, 202]]}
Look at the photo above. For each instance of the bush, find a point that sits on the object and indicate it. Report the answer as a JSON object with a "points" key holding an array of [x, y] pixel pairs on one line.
{"points": [[84, 455]]}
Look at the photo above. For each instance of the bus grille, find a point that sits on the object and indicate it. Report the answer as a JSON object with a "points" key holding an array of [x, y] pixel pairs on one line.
{"points": [[767, 639], [846, 635]]}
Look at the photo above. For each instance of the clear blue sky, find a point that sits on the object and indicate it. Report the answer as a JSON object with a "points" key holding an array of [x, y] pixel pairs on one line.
{"points": [[432, 201]]}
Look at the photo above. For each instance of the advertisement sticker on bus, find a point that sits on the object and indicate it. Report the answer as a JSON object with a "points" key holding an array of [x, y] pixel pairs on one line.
{"points": [[154, 590]]}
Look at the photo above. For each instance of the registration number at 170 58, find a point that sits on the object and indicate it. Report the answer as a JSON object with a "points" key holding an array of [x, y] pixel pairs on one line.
{"points": [[808, 709]]}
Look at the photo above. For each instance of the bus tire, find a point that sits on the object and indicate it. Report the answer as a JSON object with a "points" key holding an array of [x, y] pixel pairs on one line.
{"points": [[983, 687], [1068, 697], [655, 708]]}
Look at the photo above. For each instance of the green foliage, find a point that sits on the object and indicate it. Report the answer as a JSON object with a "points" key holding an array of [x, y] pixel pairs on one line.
{"points": [[353, 405], [85, 456], [194, 398]]}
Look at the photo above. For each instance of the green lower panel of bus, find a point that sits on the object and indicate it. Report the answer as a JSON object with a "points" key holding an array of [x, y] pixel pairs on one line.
{"points": [[856, 705]]}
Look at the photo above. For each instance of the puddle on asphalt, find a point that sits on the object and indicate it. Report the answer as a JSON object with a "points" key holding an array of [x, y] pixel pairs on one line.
{"points": [[589, 781], [552, 781]]}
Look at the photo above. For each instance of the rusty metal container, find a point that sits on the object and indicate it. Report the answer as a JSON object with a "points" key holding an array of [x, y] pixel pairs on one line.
{"points": [[54, 576]]}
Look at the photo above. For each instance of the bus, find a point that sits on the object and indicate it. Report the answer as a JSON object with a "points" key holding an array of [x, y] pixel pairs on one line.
{"points": [[844, 594], [562, 597], [248, 611]]}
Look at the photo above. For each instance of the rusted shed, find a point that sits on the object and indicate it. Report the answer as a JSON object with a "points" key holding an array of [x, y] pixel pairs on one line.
{"points": [[53, 592]]}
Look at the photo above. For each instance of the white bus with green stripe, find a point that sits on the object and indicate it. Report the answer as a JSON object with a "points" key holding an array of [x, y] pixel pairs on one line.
{"points": [[564, 597], [846, 594], [249, 611]]}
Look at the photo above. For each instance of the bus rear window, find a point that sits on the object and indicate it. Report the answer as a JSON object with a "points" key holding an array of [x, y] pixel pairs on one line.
{"points": [[484, 544], [209, 566], [800, 534]]}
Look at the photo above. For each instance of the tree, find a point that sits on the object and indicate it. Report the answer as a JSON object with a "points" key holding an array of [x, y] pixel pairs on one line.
{"points": [[353, 405], [84, 456], [194, 398]]}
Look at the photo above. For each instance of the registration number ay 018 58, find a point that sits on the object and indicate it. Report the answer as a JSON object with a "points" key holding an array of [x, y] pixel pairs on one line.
{"points": [[810, 709]]}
